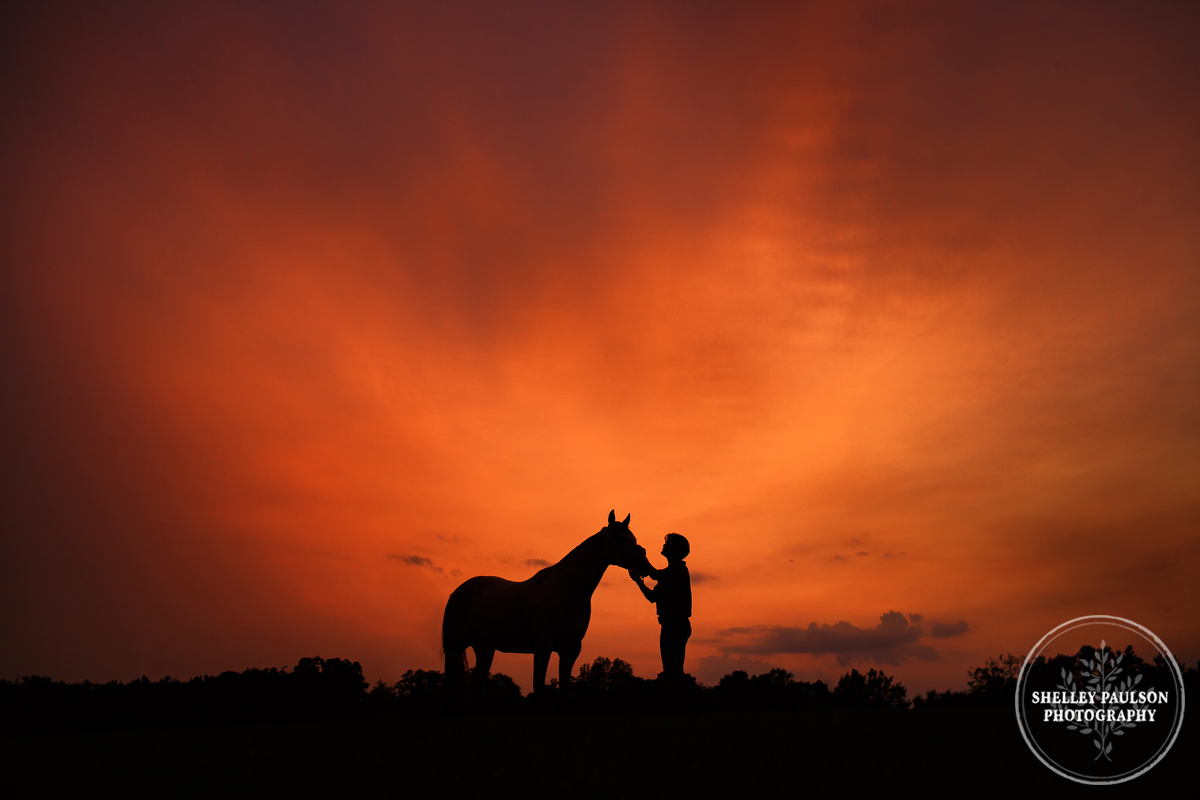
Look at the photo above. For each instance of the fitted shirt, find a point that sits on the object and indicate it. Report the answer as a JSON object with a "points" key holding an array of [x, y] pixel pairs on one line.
{"points": [[673, 594]]}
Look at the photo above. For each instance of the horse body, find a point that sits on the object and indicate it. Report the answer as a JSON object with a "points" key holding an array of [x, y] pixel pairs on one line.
{"points": [[549, 613]]}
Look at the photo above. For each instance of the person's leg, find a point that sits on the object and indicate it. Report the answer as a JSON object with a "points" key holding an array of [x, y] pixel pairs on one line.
{"points": [[672, 643], [685, 633], [664, 648]]}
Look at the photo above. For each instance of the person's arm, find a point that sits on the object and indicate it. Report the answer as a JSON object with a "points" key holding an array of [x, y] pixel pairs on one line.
{"points": [[649, 593]]}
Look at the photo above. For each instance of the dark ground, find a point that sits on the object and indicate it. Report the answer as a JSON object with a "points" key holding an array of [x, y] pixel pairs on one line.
{"points": [[971, 752]]}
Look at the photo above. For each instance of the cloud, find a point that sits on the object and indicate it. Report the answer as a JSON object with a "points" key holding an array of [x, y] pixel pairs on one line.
{"points": [[419, 561], [702, 577], [892, 641], [536, 562], [890, 309], [948, 630]]}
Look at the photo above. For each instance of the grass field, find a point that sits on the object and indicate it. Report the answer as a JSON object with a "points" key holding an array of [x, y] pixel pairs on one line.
{"points": [[707, 755]]}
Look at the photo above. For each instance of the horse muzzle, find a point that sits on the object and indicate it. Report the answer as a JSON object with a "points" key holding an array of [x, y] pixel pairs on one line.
{"points": [[642, 565]]}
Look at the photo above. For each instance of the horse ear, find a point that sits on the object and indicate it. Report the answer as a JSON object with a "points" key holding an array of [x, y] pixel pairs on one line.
{"points": [[612, 516], [626, 522]]}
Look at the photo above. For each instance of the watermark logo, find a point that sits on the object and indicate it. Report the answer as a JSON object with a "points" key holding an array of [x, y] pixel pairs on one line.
{"points": [[1100, 700]]}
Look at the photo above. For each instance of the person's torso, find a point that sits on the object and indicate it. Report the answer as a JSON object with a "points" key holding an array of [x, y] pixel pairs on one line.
{"points": [[673, 594]]}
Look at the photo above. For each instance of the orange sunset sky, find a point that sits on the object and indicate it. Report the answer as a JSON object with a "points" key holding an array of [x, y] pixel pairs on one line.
{"points": [[311, 311]]}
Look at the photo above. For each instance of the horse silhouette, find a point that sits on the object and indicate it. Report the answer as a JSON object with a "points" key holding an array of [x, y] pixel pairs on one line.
{"points": [[549, 613]]}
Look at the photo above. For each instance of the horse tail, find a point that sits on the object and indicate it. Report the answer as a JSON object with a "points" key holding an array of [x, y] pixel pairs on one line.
{"points": [[454, 649]]}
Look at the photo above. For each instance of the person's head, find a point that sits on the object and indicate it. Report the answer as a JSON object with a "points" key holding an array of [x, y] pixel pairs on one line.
{"points": [[675, 547]]}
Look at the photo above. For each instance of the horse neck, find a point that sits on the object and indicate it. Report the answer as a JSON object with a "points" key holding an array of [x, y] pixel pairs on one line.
{"points": [[583, 567]]}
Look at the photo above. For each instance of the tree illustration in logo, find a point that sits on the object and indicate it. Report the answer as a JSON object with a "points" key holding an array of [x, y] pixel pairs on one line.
{"points": [[1101, 677]]}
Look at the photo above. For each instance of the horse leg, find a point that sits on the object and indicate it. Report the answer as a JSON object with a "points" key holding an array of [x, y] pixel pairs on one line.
{"points": [[541, 661], [483, 665], [457, 682], [566, 663]]}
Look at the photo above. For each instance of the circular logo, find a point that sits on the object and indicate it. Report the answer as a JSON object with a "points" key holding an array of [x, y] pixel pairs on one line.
{"points": [[1100, 700]]}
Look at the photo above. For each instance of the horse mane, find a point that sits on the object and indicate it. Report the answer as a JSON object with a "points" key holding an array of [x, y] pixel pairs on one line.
{"points": [[576, 553]]}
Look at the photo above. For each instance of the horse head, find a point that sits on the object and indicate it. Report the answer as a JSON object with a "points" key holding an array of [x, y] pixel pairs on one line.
{"points": [[622, 548]]}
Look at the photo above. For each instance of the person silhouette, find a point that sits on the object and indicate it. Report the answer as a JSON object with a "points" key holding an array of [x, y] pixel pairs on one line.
{"points": [[673, 596]]}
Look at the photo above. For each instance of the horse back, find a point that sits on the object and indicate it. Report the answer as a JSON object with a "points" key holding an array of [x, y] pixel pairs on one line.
{"points": [[505, 615]]}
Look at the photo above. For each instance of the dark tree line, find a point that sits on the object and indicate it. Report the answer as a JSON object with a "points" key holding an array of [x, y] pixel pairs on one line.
{"points": [[995, 683], [322, 689], [315, 689]]}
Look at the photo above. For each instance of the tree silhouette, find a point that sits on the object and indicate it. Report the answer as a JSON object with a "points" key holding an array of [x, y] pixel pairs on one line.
{"points": [[604, 675], [873, 690], [996, 679]]}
